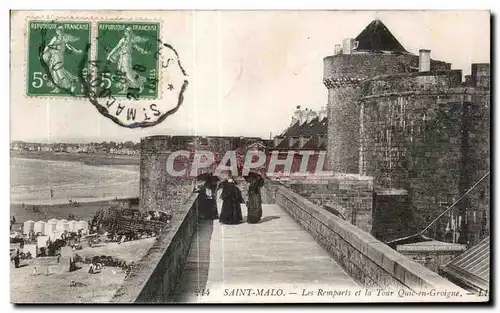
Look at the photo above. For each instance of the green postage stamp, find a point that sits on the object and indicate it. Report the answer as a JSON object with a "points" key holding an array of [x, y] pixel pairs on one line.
{"points": [[55, 51], [123, 67], [127, 53]]}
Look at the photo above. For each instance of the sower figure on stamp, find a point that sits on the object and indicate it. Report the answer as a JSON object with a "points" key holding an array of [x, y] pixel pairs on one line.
{"points": [[254, 204], [122, 55], [53, 56], [231, 203]]}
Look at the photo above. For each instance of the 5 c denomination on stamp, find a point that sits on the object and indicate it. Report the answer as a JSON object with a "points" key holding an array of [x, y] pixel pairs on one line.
{"points": [[125, 69], [54, 51], [136, 79], [129, 50]]}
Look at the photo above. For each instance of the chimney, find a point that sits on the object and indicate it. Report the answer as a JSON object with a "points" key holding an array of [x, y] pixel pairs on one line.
{"points": [[338, 49], [292, 141], [311, 115], [303, 117], [303, 140], [348, 45], [296, 115], [277, 140], [424, 60], [322, 114]]}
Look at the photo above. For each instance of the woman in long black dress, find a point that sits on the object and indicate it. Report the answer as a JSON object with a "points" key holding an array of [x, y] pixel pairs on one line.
{"points": [[212, 185], [206, 202], [231, 203], [254, 204]]}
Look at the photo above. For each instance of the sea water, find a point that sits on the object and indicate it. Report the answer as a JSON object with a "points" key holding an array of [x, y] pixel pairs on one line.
{"points": [[32, 181]]}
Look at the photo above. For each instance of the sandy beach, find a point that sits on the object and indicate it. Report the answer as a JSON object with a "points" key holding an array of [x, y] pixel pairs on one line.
{"points": [[53, 202], [59, 211], [89, 159], [55, 287], [42, 179]]}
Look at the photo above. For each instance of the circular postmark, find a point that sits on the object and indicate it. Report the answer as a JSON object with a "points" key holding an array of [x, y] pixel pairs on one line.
{"points": [[134, 79]]}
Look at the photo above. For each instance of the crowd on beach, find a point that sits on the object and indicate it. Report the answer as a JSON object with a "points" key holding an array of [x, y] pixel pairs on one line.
{"points": [[50, 248], [120, 237]]}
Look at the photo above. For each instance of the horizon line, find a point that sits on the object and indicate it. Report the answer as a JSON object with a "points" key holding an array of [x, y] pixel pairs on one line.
{"points": [[71, 141]]}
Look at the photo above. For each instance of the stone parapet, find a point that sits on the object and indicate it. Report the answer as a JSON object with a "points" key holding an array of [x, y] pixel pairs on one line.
{"points": [[153, 279], [367, 260]]}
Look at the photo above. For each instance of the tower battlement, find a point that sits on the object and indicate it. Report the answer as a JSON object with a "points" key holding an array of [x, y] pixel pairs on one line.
{"points": [[409, 121]]}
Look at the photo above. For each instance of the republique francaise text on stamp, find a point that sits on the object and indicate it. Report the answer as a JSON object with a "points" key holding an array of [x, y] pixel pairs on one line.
{"points": [[54, 51], [129, 49], [122, 67]]}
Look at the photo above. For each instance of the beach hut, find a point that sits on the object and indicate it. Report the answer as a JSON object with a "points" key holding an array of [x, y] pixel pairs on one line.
{"points": [[28, 226], [51, 226], [42, 241], [84, 226], [72, 226], [67, 259], [62, 225], [31, 249], [55, 235], [39, 227]]}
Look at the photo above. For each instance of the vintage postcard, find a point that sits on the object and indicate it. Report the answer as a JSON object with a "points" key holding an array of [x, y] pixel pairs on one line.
{"points": [[250, 157]]}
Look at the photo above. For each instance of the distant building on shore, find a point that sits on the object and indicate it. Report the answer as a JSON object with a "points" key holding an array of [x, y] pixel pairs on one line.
{"points": [[129, 148], [307, 131]]}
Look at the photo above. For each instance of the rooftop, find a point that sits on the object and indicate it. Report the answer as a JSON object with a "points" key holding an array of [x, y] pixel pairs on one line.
{"points": [[313, 128], [431, 245], [472, 268], [376, 37]]}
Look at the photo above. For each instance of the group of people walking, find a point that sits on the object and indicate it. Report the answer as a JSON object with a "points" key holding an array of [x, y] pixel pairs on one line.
{"points": [[232, 199]]}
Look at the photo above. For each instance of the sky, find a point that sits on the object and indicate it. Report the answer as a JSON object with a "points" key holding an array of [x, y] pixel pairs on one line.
{"points": [[248, 70]]}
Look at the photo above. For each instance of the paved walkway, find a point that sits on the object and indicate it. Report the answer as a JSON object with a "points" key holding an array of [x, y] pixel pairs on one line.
{"points": [[276, 258]]}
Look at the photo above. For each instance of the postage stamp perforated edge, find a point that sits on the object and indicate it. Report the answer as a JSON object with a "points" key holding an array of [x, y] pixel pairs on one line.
{"points": [[93, 20], [25, 65], [125, 19], [159, 22]]}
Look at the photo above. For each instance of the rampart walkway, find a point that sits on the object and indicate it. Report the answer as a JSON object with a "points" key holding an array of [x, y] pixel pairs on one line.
{"points": [[299, 252], [275, 253]]}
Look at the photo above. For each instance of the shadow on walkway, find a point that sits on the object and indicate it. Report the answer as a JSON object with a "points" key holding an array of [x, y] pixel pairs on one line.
{"points": [[194, 275], [268, 218]]}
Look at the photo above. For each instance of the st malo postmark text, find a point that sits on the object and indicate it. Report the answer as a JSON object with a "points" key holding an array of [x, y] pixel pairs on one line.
{"points": [[124, 68]]}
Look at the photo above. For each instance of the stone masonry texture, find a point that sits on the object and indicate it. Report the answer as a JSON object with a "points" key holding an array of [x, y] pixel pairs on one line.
{"points": [[351, 195], [429, 135], [160, 191], [342, 77], [423, 132]]}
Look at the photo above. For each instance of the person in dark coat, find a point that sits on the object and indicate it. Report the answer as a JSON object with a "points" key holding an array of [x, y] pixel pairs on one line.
{"points": [[231, 203], [16, 259], [212, 185], [206, 202], [254, 204]]}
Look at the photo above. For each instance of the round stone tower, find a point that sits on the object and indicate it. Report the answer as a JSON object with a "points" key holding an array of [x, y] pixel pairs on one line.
{"points": [[373, 52], [153, 172]]}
